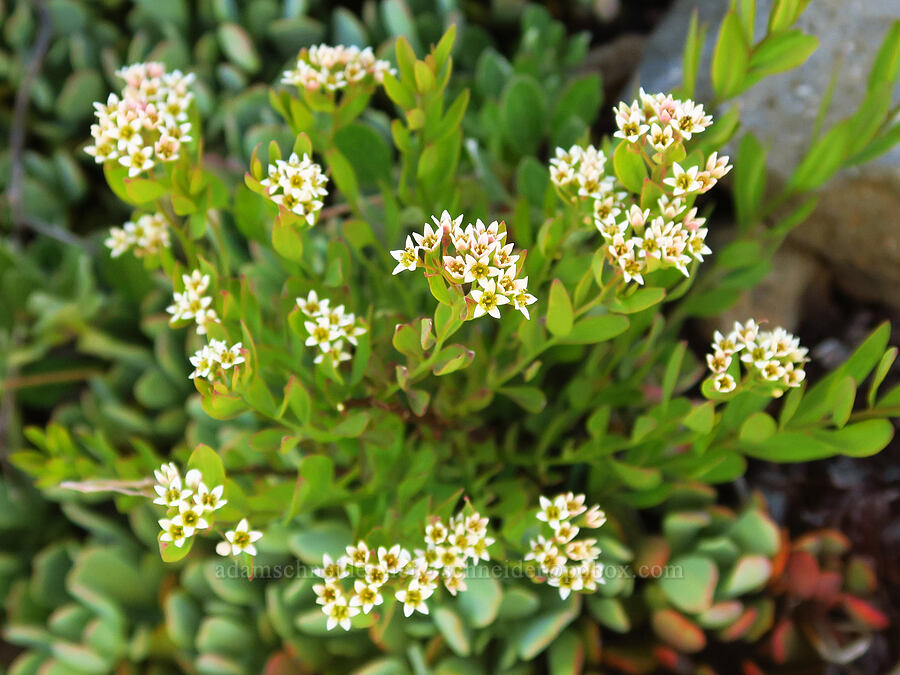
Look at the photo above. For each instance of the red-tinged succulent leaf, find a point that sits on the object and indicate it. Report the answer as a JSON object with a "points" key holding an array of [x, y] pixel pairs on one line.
{"points": [[667, 657], [629, 660], [721, 614], [828, 588], [740, 627], [864, 613], [802, 574], [785, 643], [860, 576], [750, 668], [281, 663], [834, 542], [779, 561], [592, 642], [765, 618], [748, 574], [678, 631], [652, 554]]}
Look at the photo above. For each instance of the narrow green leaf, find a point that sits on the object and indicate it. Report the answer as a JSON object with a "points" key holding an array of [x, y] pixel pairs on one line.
{"points": [[559, 310]]}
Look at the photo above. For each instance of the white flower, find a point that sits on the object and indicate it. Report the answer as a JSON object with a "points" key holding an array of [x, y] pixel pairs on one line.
{"points": [[332, 570], [190, 518], [594, 517], [204, 362], [312, 306], [193, 479], [394, 559], [239, 540], [196, 282], [358, 555], [321, 334], [210, 500], [724, 383], [365, 596], [172, 494], [407, 258], [413, 598], [339, 614], [552, 512], [166, 473], [228, 356], [567, 579], [683, 182], [487, 300], [173, 532]]}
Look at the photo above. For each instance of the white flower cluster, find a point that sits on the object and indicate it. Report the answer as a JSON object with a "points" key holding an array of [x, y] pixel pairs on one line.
{"points": [[328, 327], [217, 354], [774, 357], [147, 235], [660, 120], [191, 505], [449, 548], [298, 185], [477, 255], [148, 123], [568, 564], [334, 68], [669, 234], [193, 303], [189, 502]]}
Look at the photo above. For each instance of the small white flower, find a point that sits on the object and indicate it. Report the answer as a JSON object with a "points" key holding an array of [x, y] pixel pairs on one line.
{"points": [[724, 383], [171, 495], [240, 540], [552, 512], [683, 182], [339, 614], [413, 598], [210, 500], [173, 532], [332, 570], [407, 258], [365, 596], [566, 579], [487, 300], [190, 517], [394, 559]]}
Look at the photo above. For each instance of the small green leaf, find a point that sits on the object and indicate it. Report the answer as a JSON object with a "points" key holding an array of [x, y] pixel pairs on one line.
{"points": [[748, 574], [641, 299], [758, 428], [595, 329], [692, 590], [530, 398], [559, 310], [730, 58], [207, 461], [630, 168], [522, 110], [455, 632]]}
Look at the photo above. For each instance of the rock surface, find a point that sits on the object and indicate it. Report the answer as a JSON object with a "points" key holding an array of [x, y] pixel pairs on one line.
{"points": [[856, 229]]}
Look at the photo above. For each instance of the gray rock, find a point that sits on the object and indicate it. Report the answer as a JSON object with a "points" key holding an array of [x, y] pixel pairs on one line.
{"points": [[856, 229]]}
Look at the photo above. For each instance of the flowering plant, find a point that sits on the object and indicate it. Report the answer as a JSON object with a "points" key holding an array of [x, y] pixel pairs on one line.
{"points": [[340, 405]]}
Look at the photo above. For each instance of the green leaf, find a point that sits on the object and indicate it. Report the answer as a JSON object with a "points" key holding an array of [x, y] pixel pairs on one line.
{"points": [[406, 340], [522, 111], [452, 358], [731, 57], [785, 51], [533, 636], [755, 532], [315, 479], [529, 398], [823, 159], [286, 240], [582, 98], [566, 654], [701, 418], [610, 612], [861, 439], [238, 47], [693, 49], [343, 173], [418, 401], [327, 537], [481, 603], [636, 477], [748, 574], [886, 66], [594, 329], [678, 631], [749, 179], [631, 170], [757, 428], [638, 301], [367, 151], [844, 397], [692, 590], [455, 632], [298, 399], [209, 464], [884, 367], [559, 310], [142, 190]]}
